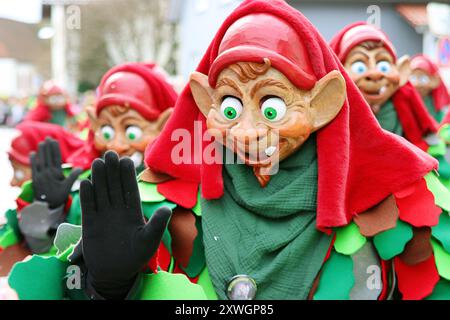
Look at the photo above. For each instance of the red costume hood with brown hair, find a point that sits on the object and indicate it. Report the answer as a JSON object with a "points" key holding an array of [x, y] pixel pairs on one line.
{"points": [[31, 133], [441, 97], [359, 164], [412, 113], [139, 86], [41, 112]]}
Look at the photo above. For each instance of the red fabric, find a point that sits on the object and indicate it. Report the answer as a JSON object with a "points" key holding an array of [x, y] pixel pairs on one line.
{"points": [[356, 33], [181, 192], [441, 97], [359, 164], [31, 133], [41, 111], [417, 281], [127, 90], [416, 205], [282, 46], [83, 157], [139, 85], [412, 113], [21, 204], [385, 268]]}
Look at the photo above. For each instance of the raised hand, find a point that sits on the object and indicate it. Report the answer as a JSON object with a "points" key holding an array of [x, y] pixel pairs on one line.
{"points": [[49, 183], [117, 243]]}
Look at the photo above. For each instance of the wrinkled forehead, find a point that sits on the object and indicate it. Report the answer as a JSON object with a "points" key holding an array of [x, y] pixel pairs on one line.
{"points": [[369, 52], [119, 113], [244, 75]]}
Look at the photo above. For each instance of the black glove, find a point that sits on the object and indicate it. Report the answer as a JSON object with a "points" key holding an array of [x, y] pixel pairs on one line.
{"points": [[117, 243], [49, 183]]}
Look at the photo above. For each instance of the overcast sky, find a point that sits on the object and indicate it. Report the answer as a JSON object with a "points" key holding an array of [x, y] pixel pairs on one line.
{"points": [[28, 11]]}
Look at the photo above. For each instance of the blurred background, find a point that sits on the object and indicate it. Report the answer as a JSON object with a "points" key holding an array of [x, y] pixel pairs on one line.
{"points": [[75, 42]]}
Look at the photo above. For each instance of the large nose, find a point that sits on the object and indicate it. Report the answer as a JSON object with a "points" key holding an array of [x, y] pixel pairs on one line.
{"points": [[374, 75], [246, 131], [118, 145], [14, 182]]}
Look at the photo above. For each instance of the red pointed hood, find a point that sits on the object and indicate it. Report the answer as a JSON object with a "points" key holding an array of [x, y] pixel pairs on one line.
{"points": [[356, 33], [441, 97], [140, 86], [41, 111], [31, 133], [413, 115], [359, 163]]}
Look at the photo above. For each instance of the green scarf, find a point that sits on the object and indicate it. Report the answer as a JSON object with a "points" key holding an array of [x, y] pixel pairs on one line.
{"points": [[429, 103], [388, 119], [59, 117], [267, 233]]}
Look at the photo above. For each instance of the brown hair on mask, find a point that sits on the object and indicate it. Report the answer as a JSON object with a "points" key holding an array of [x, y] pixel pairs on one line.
{"points": [[248, 71]]}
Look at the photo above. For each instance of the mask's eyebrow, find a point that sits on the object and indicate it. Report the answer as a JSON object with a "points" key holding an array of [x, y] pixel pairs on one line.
{"points": [[359, 52], [266, 83], [384, 55], [228, 83]]}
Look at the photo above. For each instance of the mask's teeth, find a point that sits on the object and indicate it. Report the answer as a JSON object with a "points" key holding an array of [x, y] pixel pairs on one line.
{"points": [[137, 158], [270, 151]]}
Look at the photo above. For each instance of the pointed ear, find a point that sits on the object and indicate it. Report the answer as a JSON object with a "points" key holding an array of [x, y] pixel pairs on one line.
{"points": [[163, 117], [404, 68], [201, 91], [327, 98], [435, 81], [92, 117]]}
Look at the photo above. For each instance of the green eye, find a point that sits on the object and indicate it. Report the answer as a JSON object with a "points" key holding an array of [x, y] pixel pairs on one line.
{"points": [[107, 133], [274, 109], [270, 113], [133, 133], [231, 108]]}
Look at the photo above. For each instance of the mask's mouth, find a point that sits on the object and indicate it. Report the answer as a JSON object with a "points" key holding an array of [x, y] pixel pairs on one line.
{"points": [[137, 159], [375, 93]]}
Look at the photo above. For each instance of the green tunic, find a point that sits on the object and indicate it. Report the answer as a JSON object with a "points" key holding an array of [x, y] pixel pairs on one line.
{"points": [[388, 119]]}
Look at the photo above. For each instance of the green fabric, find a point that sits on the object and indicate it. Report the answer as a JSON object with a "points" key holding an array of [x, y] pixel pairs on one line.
{"points": [[27, 192], [59, 117], [74, 214], [10, 233], [204, 280], [267, 233], [438, 189], [66, 236], [429, 103], [169, 286], [197, 209], [337, 279], [444, 133], [40, 278], [393, 241], [349, 240], [8, 237], [441, 291], [438, 150], [444, 167], [149, 192], [388, 119], [197, 260], [442, 259], [441, 231]]}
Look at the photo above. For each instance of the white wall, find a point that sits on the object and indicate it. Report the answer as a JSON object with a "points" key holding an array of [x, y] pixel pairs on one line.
{"points": [[8, 77], [200, 20]]}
